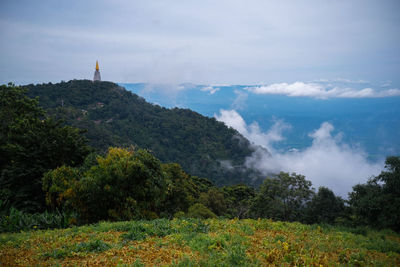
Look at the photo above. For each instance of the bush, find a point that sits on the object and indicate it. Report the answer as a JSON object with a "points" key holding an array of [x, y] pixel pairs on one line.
{"points": [[17, 220], [200, 211]]}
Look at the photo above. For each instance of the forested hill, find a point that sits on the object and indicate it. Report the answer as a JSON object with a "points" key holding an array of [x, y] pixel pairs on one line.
{"points": [[114, 116]]}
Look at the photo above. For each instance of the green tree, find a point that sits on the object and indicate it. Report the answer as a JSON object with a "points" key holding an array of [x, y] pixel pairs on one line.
{"points": [[283, 197], [377, 202], [325, 207], [30, 145], [239, 199], [214, 199], [124, 184], [181, 190]]}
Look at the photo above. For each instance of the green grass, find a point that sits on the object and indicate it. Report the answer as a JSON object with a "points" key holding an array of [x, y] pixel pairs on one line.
{"points": [[195, 242]]}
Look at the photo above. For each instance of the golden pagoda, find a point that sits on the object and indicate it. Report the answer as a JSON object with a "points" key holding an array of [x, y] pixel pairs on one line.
{"points": [[97, 76]]}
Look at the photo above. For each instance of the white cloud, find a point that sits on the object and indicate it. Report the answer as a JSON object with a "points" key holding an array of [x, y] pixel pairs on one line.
{"points": [[327, 162], [210, 89], [316, 90], [232, 119], [253, 132]]}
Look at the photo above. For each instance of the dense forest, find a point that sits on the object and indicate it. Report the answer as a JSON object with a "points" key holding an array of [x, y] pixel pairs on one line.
{"points": [[116, 117], [50, 177]]}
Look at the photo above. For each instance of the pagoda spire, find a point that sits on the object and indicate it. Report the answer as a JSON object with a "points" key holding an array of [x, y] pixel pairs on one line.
{"points": [[96, 76]]}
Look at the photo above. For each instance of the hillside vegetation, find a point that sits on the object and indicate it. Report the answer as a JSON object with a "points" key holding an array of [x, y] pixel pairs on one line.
{"points": [[114, 116], [50, 178], [144, 211], [194, 242]]}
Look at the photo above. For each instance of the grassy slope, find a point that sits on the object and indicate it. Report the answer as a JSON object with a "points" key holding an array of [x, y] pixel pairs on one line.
{"points": [[192, 242]]}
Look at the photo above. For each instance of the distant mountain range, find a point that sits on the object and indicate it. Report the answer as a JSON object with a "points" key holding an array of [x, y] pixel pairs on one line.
{"points": [[371, 123], [114, 116], [336, 133]]}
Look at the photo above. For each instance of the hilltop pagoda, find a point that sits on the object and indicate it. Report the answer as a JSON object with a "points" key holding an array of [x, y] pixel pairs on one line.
{"points": [[96, 76]]}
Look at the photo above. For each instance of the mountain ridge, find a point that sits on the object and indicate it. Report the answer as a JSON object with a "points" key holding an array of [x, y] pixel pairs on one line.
{"points": [[114, 116]]}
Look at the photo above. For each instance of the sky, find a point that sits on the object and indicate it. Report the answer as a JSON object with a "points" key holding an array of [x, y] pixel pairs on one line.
{"points": [[254, 42]]}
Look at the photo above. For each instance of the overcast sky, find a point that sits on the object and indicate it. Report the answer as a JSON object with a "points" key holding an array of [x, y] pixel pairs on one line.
{"points": [[206, 42]]}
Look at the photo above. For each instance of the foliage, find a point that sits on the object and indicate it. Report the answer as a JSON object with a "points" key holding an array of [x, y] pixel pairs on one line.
{"points": [[132, 183], [200, 211], [377, 203], [214, 200], [113, 116], [239, 199], [283, 197], [325, 207], [58, 185], [181, 190], [82, 248], [194, 242], [30, 145], [126, 183], [16, 221]]}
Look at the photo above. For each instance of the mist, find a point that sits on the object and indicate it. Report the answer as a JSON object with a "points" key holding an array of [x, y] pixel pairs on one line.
{"points": [[328, 161]]}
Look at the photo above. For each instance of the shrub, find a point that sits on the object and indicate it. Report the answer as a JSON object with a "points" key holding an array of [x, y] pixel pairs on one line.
{"points": [[17, 220], [200, 211]]}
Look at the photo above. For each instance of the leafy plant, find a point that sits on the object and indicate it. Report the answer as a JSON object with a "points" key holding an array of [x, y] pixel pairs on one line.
{"points": [[92, 246], [96, 246], [18, 220], [137, 233]]}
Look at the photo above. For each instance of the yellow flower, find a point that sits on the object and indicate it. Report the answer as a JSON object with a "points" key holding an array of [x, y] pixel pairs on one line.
{"points": [[285, 246]]}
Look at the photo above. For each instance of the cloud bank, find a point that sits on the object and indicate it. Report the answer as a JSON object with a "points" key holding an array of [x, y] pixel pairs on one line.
{"points": [[327, 162], [317, 90]]}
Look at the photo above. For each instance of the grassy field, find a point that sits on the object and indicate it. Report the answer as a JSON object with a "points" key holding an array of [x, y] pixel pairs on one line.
{"points": [[191, 242]]}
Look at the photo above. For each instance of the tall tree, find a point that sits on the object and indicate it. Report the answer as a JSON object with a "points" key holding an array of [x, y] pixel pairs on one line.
{"points": [[283, 197], [239, 199], [30, 145], [214, 200], [377, 202], [325, 207], [181, 190]]}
